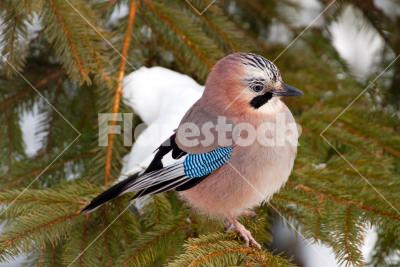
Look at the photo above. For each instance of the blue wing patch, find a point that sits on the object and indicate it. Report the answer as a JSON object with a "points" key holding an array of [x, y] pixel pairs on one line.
{"points": [[199, 165]]}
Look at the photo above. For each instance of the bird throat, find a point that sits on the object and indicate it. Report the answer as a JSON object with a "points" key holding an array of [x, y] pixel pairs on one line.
{"points": [[260, 100]]}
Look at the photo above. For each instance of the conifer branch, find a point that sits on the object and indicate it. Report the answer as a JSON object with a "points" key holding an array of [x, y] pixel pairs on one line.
{"points": [[71, 43], [118, 88], [17, 179], [13, 45], [181, 35], [221, 250], [41, 256], [346, 233], [37, 227], [214, 19], [10, 139], [70, 195], [11, 241], [362, 136], [40, 84], [106, 242], [83, 243], [323, 196], [249, 252]]}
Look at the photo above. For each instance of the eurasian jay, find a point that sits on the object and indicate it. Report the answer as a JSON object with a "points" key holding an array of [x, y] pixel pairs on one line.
{"points": [[225, 180]]}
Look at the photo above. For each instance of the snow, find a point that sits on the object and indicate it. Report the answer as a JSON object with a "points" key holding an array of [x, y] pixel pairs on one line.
{"points": [[160, 97], [363, 51], [389, 7], [30, 122]]}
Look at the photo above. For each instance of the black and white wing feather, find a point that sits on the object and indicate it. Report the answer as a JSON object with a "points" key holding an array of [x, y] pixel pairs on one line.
{"points": [[185, 171]]}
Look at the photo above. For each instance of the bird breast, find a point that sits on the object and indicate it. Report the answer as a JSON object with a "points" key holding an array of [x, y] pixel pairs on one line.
{"points": [[252, 176]]}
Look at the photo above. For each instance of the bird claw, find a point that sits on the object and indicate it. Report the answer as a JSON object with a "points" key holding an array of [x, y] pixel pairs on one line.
{"points": [[244, 233]]}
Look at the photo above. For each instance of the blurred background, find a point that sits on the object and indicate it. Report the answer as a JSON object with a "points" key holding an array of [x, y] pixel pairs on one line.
{"points": [[339, 49]]}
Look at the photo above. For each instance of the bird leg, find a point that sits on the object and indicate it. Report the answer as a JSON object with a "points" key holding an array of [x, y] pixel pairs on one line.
{"points": [[236, 226]]}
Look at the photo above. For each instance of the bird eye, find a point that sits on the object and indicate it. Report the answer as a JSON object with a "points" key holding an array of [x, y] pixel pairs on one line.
{"points": [[257, 87]]}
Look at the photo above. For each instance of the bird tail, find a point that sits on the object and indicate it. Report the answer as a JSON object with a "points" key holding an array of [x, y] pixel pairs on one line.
{"points": [[110, 194]]}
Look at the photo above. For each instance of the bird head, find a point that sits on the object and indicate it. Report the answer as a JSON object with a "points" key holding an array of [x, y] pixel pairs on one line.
{"points": [[246, 82]]}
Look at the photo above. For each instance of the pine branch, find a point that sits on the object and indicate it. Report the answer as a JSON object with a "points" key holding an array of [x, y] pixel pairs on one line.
{"points": [[176, 27], [387, 248], [111, 243], [219, 250], [19, 95], [155, 243], [14, 139], [221, 29], [73, 195], [35, 229], [64, 28], [156, 210], [45, 256], [13, 38], [347, 238], [324, 196], [18, 178], [75, 44]]}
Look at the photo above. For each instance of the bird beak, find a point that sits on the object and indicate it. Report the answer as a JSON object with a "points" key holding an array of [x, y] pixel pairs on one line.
{"points": [[288, 91]]}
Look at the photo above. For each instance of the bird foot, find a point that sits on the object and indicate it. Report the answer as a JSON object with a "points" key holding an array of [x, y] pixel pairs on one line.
{"points": [[249, 213], [244, 233]]}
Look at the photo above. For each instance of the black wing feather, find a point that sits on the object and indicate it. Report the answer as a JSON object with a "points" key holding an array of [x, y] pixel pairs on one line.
{"points": [[164, 149], [111, 193], [156, 168]]}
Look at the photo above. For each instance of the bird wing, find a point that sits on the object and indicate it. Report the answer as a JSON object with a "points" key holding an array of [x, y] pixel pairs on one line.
{"points": [[186, 170]]}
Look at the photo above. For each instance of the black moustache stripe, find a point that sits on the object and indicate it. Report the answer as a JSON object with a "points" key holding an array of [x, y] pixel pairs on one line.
{"points": [[260, 100]]}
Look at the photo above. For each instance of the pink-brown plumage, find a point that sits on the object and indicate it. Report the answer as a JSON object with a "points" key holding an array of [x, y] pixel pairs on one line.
{"points": [[255, 172], [227, 193]]}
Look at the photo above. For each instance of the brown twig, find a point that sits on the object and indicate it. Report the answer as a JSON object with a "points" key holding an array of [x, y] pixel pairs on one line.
{"points": [[118, 88]]}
